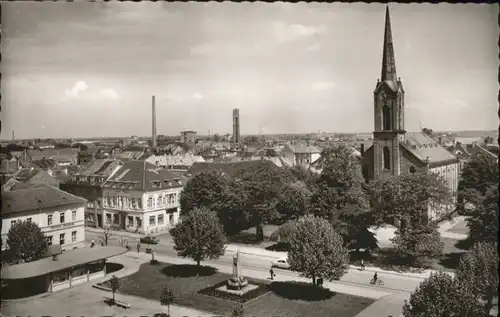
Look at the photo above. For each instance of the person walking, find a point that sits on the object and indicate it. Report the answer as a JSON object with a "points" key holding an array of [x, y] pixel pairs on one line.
{"points": [[138, 247], [92, 244], [271, 271], [362, 265]]}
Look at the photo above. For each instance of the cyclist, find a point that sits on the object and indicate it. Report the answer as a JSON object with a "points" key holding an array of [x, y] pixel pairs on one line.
{"points": [[375, 278]]}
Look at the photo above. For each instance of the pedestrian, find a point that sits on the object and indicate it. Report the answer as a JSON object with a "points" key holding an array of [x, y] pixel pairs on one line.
{"points": [[127, 246], [362, 265], [102, 243], [92, 244], [271, 271], [138, 247]]}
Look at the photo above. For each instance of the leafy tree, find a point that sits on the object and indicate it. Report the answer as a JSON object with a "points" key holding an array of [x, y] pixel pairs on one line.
{"points": [[478, 272], [441, 295], [26, 241], [478, 175], [262, 185], [427, 131], [483, 219], [284, 233], [167, 298], [239, 311], [114, 284], [295, 200], [408, 197], [418, 241], [316, 250], [199, 235], [339, 194], [213, 190]]}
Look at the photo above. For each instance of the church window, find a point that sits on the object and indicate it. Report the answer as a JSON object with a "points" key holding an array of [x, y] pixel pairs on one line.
{"points": [[413, 169], [387, 158], [386, 116]]}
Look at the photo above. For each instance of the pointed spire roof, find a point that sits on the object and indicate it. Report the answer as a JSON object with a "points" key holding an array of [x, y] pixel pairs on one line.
{"points": [[388, 60]]}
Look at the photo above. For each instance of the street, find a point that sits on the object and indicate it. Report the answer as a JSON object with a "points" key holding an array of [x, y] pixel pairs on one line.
{"points": [[393, 283]]}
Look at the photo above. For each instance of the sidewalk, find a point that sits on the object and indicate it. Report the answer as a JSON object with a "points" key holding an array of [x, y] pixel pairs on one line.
{"points": [[390, 305], [123, 233]]}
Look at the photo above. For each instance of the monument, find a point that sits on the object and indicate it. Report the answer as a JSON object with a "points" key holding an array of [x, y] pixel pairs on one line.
{"points": [[237, 284]]}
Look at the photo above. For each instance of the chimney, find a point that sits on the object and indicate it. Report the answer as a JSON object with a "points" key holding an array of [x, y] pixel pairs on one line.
{"points": [[13, 136], [362, 149], [154, 125]]}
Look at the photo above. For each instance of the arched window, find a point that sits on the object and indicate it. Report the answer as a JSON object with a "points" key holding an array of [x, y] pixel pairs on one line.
{"points": [[413, 169], [386, 117], [387, 158]]}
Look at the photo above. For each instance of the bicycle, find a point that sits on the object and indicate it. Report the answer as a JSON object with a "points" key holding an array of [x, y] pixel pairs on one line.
{"points": [[379, 282]]}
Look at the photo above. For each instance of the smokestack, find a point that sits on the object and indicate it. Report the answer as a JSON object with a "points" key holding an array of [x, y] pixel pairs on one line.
{"points": [[154, 124], [13, 136]]}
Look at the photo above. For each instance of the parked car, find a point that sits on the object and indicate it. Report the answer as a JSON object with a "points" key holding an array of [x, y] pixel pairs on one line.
{"points": [[281, 264], [149, 240]]}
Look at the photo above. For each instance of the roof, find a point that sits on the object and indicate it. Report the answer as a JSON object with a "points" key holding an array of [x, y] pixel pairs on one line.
{"points": [[303, 148], [33, 198], [70, 153], [44, 163], [142, 175], [232, 169], [129, 155], [102, 167], [426, 148], [175, 160], [37, 176], [65, 260]]}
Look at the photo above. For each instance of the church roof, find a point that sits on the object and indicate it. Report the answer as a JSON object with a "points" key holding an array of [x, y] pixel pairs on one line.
{"points": [[425, 148]]}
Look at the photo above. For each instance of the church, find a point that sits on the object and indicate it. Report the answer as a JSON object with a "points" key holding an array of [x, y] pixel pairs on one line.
{"points": [[395, 151]]}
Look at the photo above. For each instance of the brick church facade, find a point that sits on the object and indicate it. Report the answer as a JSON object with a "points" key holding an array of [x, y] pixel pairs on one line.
{"points": [[395, 151]]}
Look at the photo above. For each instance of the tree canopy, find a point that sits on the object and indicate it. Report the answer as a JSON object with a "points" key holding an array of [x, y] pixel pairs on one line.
{"points": [[26, 241], [316, 250], [441, 295], [483, 218], [199, 235], [478, 271], [339, 194], [416, 242]]}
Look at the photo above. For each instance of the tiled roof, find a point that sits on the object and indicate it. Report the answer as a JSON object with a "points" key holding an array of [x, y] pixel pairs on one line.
{"points": [[141, 175], [425, 148], [70, 153], [129, 155], [478, 149], [232, 169], [36, 176], [44, 163], [36, 197], [175, 160], [102, 167]]}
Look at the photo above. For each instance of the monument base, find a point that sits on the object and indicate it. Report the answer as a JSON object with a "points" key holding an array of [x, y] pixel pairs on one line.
{"points": [[245, 289]]}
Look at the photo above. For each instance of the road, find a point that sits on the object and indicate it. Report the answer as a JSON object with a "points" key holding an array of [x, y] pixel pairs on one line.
{"points": [[392, 283]]}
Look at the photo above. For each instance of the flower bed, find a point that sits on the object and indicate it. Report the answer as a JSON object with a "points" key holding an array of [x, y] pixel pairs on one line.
{"points": [[213, 292]]}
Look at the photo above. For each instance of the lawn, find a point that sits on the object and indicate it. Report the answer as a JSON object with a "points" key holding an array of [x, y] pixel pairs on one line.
{"points": [[271, 299]]}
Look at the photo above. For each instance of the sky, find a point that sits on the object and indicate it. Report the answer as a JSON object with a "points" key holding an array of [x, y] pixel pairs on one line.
{"points": [[90, 69]]}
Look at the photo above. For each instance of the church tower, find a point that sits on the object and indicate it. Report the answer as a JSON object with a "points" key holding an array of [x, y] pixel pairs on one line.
{"points": [[389, 112]]}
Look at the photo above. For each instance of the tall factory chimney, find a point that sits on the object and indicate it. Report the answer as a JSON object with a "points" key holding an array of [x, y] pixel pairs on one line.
{"points": [[153, 143], [236, 126], [13, 136]]}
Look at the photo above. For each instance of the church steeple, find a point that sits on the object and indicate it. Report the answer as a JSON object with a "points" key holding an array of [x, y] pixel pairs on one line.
{"points": [[388, 60]]}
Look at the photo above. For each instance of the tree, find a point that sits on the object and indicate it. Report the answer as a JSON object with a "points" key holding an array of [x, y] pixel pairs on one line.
{"points": [[199, 235], [478, 271], [477, 176], [262, 185], [339, 194], [167, 298], [418, 241], [427, 131], [294, 201], [284, 233], [213, 190], [316, 250], [238, 311], [441, 295], [483, 218], [114, 284], [26, 241], [106, 235], [216, 138]]}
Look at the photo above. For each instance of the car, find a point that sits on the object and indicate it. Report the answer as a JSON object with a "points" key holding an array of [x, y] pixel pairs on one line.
{"points": [[281, 264], [149, 240]]}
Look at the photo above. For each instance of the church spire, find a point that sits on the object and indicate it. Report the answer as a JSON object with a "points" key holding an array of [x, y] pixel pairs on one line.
{"points": [[388, 61]]}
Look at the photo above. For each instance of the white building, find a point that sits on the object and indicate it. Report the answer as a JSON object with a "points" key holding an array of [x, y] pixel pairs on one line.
{"points": [[300, 154], [138, 197], [59, 214]]}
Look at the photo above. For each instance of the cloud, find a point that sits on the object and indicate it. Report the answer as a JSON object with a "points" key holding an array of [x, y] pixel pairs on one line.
{"points": [[323, 85], [110, 93], [289, 32], [76, 90], [313, 47], [197, 96]]}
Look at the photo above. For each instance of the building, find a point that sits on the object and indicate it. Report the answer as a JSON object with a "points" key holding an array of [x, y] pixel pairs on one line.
{"points": [[236, 126], [134, 196], [394, 151], [178, 163], [59, 215], [36, 176], [61, 271], [300, 154], [188, 136]]}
